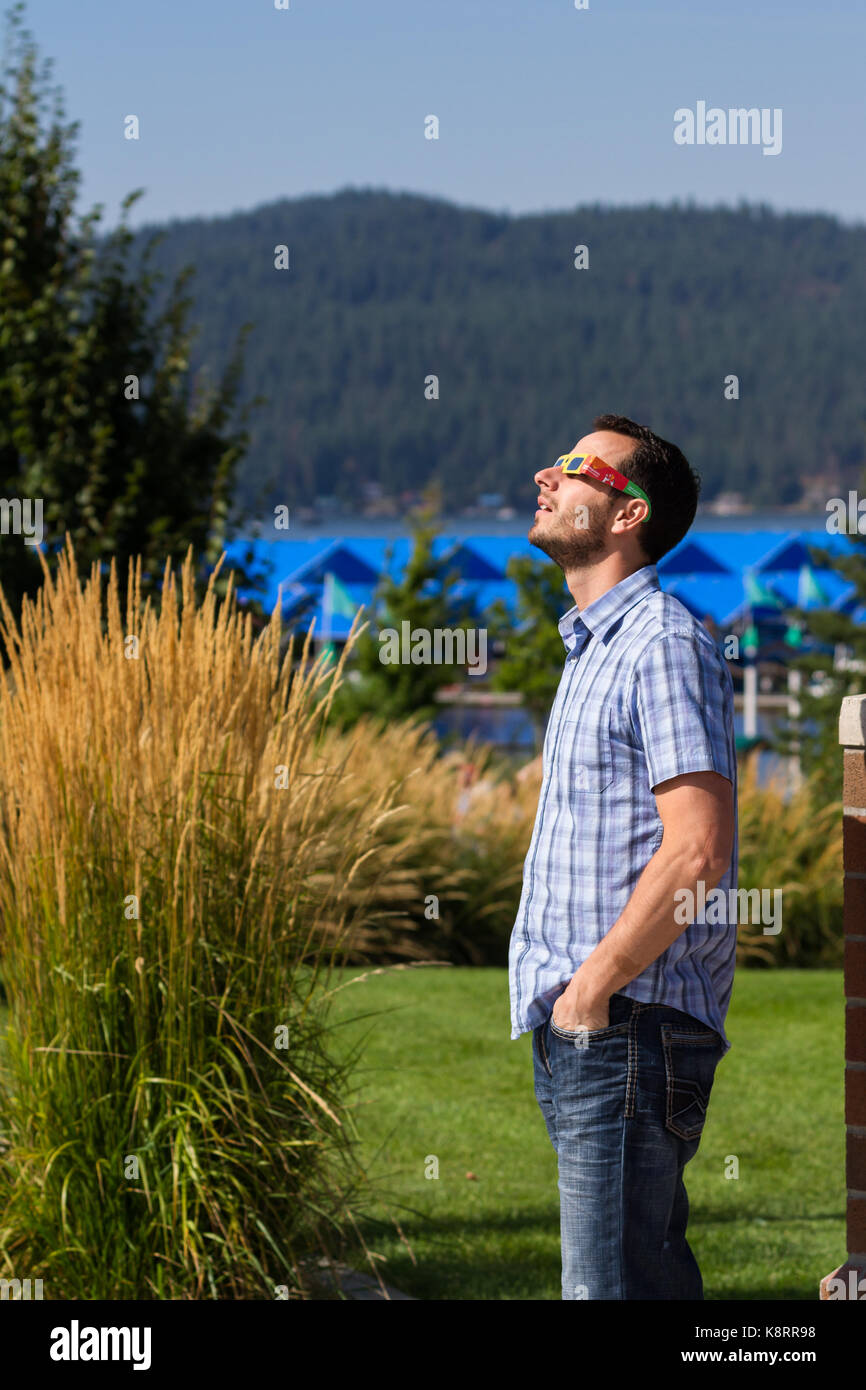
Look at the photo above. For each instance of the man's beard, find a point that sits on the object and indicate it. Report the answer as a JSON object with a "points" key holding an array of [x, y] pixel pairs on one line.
{"points": [[569, 546]]}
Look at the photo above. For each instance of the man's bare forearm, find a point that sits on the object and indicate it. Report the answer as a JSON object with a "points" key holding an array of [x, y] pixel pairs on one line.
{"points": [[646, 926]]}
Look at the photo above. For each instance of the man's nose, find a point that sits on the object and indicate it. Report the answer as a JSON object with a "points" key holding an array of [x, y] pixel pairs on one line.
{"points": [[549, 476]]}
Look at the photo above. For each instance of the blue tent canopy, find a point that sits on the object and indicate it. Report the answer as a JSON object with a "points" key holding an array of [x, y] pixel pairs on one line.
{"points": [[706, 571], [691, 557]]}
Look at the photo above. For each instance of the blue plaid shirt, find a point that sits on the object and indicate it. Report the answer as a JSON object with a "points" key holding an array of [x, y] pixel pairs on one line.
{"points": [[644, 695]]}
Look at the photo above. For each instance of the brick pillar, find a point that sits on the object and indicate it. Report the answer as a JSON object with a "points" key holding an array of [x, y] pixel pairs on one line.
{"points": [[852, 736]]}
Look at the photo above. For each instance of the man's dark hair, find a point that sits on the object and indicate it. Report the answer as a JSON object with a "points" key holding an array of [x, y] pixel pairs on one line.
{"points": [[667, 478]]}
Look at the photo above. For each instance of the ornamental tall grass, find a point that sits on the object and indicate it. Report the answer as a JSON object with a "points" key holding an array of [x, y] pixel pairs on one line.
{"points": [[456, 845], [464, 827], [178, 881], [793, 843]]}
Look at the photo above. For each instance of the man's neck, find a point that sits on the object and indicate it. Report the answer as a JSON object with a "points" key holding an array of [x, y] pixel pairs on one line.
{"points": [[591, 581]]}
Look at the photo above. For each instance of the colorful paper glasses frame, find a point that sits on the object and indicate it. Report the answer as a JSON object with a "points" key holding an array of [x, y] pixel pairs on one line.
{"points": [[594, 467]]}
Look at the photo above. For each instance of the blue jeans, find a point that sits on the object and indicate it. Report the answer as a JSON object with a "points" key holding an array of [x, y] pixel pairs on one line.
{"points": [[624, 1107]]}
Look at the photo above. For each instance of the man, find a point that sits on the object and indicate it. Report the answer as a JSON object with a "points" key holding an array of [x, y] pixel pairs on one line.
{"points": [[626, 996]]}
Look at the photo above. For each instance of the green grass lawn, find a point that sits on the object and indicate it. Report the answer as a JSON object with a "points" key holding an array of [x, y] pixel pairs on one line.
{"points": [[439, 1076]]}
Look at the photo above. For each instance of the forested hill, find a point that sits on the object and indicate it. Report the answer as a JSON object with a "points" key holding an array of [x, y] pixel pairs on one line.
{"points": [[384, 290]]}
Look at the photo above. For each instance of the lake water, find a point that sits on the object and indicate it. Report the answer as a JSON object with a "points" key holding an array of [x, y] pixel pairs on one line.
{"points": [[390, 529]]}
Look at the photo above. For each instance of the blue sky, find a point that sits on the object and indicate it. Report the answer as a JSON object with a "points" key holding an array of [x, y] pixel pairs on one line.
{"points": [[541, 106]]}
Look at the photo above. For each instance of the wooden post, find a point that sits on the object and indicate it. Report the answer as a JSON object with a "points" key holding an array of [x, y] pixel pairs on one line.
{"points": [[849, 1280]]}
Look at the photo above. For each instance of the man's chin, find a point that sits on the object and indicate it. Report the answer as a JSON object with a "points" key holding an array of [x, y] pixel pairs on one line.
{"points": [[536, 534], [540, 535], [571, 550]]}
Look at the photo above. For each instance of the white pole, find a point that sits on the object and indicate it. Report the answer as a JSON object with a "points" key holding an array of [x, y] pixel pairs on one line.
{"points": [[750, 699], [750, 680], [795, 771]]}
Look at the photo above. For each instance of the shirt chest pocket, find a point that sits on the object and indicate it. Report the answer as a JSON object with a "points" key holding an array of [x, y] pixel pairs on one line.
{"points": [[584, 753]]}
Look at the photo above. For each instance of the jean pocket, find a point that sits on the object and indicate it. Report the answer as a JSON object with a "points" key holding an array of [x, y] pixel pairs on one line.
{"points": [[691, 1055], [582, 1037]]}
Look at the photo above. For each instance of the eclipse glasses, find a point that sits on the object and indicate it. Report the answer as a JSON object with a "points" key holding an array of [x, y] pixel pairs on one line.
{"points": [[594, 467]]}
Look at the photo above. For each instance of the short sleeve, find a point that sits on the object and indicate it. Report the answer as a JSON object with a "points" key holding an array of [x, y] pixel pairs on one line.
{"points": [[682, 708]]}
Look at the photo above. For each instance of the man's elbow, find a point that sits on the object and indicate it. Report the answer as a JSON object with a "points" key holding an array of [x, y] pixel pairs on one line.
{"points": [[711, 861], [705, 856]]}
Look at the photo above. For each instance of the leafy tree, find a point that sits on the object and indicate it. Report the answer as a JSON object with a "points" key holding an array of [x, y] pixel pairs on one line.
{"points": [[827, 679], [533, 648], [99, 419], [424, 598]]}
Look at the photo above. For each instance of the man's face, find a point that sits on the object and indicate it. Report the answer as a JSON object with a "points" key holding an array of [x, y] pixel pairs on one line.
{"points": [[573, 517]]}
